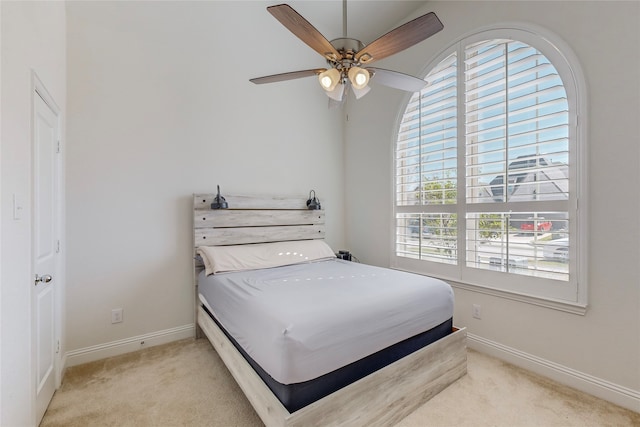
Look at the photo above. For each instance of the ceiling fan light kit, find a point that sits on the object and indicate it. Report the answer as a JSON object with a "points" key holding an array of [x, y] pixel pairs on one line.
{"points": [[329, 79], [347, 57], [337, 93], [359, 93], [359, 77]]}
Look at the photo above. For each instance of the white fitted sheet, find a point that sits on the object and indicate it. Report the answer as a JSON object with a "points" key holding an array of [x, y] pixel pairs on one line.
{"points": [[299, 322]]}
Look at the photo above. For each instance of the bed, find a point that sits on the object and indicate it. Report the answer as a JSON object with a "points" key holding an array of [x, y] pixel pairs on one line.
{"points": [[325, 370]]}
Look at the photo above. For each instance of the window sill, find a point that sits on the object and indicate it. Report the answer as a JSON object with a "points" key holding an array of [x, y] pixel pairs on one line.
{"points": [[573, 308], [499, 285]]}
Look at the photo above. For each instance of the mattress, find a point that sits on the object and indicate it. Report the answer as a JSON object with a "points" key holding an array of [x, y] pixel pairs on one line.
{"points": [[301, 322]]}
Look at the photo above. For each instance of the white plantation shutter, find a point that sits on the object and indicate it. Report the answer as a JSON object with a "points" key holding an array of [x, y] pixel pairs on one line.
{"points": [[517, 145], [506, 150], [426, 169], [427, 140]]}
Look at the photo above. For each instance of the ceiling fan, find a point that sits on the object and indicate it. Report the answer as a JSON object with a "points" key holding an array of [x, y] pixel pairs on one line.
{"points": [[349, 58]]}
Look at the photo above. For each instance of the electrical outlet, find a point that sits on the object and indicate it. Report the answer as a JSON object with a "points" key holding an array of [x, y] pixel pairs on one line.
{"points": [[476, 313], [116, 315]]}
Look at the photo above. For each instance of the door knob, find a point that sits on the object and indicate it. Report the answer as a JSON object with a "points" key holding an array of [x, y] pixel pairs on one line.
{"points": [[43, 279]]}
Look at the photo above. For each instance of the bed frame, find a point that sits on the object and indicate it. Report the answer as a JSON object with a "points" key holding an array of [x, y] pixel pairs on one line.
{"points": [[382, 398]]}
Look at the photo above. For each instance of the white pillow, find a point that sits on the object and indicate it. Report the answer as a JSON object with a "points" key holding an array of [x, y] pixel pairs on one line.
{"points": [[218, 259]]}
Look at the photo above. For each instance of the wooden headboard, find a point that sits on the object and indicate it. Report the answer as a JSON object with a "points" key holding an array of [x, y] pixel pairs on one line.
{"points": [[254, 219]]}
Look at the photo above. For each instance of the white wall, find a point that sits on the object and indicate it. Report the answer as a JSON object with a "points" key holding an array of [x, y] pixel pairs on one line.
{"points": [[605, 343], [33, 37], [160, 107]]}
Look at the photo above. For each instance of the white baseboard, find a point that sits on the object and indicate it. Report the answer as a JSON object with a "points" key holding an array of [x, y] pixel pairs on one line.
{"points": [[622, 396], [127, 345]]}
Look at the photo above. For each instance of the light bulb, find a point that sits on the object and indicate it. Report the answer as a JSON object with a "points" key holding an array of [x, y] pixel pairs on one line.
{"points": [[359, 77], [329, 79]]}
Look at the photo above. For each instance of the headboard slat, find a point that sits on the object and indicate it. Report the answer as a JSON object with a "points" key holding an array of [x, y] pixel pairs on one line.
{"points": [[253, 218], [203, 201], [246, 235]]}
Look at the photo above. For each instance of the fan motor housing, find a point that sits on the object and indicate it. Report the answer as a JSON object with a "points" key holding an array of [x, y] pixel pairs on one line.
{"points": [[347, 47]]}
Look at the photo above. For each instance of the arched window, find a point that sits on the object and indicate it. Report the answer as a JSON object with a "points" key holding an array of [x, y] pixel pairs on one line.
{"points": [[487, 165]]}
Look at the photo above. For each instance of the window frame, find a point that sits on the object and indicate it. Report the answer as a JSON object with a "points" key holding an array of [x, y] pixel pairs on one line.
{"points": [[573, 295]]}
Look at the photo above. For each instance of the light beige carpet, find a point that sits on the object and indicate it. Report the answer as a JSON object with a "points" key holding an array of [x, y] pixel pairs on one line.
{"points": [[186, 384]]}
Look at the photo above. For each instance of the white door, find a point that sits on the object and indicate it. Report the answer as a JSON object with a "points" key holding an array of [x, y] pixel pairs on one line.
{"points": [[45, 251]]}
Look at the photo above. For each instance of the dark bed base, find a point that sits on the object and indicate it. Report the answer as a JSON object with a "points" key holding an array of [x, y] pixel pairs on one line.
{"points": [[298, 395]]}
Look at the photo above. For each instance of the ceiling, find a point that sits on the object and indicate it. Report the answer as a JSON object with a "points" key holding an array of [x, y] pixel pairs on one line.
{"points": [[366, 19]]}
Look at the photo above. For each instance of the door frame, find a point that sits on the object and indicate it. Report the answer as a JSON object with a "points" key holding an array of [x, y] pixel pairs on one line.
{"points": [[38, 89]]}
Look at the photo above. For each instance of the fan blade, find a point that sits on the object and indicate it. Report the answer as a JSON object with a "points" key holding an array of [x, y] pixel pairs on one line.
{"points": [[304, 30], [396, 80], [287, 76], [401, 38]]}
